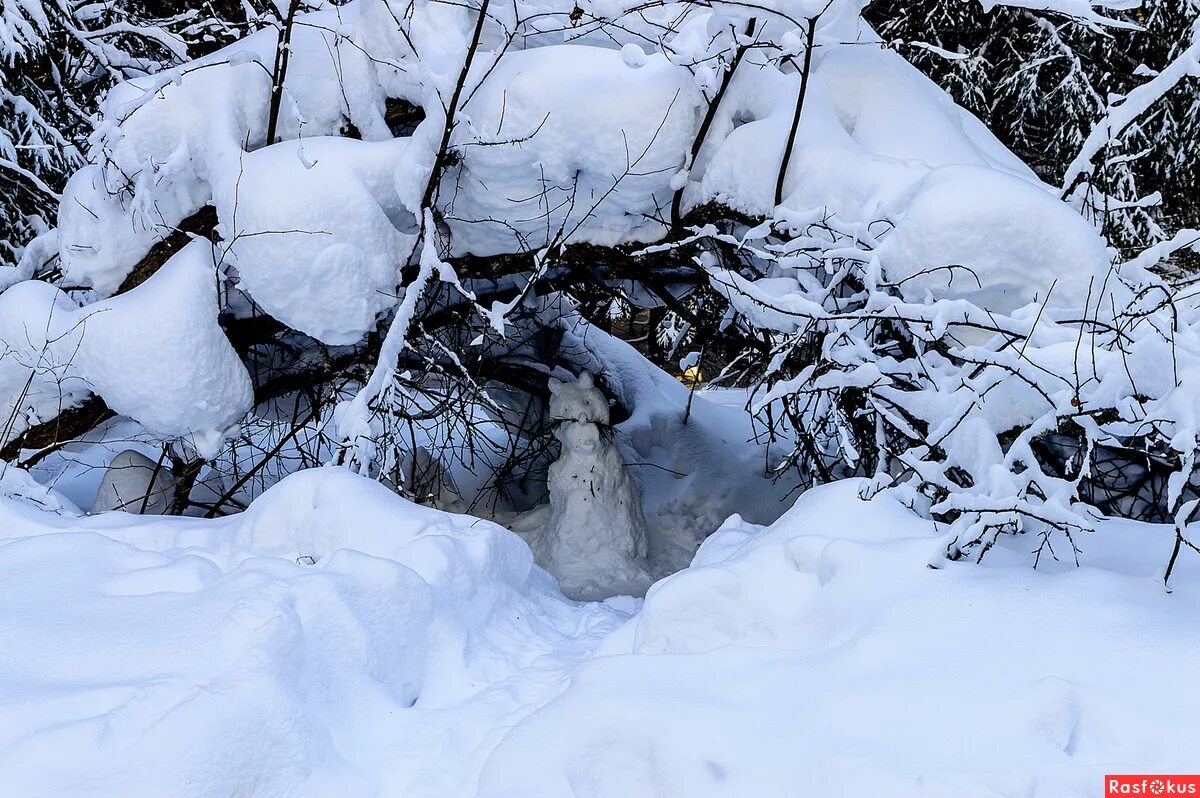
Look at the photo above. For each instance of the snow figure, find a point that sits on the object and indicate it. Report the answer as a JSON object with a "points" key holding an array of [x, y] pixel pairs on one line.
{"points": [[595, 539]]}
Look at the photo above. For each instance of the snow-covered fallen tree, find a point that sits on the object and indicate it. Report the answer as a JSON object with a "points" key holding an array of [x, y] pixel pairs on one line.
{"points": [[1002, 407], [371, 233]]}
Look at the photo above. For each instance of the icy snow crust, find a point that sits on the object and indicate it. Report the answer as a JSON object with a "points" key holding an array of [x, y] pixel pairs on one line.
{"points": [[338, 640]]}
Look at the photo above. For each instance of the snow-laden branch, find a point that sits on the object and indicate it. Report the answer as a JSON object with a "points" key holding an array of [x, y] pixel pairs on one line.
{"points": [[1122, 113], [1083, 12]]}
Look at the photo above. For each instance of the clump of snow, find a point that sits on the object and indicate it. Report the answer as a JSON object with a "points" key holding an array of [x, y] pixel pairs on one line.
{"points": [[594, 541], [102, 239], [325, 268], [541, 167], [633, 56], [994, 239], [871, 128], [336, 639], [135, 484], [878, 141], [157, 354]]}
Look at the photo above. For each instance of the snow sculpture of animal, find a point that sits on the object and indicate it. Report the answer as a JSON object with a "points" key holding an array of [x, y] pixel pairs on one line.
{"points": [[595, 539]]}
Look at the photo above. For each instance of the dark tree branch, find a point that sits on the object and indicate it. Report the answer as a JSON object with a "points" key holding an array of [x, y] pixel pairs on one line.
{"points": [[440, 160], [810, 37], [706, 123], [283, 51], [201, 223], [67, 425]]}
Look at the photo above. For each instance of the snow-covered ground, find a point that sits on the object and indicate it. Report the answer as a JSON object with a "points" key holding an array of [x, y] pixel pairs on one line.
{"points": [[338, 640], [897, 293]]}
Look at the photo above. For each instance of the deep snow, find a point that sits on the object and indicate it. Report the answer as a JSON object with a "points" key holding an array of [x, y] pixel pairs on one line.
{"points": [[338, 640]]}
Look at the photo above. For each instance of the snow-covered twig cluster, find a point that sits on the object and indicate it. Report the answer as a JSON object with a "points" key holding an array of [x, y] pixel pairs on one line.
{"points": [[995, 421]]}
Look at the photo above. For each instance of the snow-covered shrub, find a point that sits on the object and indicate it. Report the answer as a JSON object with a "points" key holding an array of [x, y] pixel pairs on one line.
{"points": [[57, 59], [985, 397], [1056, 85]]}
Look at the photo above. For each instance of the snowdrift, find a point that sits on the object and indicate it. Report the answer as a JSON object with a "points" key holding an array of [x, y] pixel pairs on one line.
{"points": [[338, 640]]}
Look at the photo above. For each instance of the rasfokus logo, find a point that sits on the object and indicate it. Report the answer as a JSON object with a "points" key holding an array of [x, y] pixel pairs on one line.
{"points": [[1157, 784]]}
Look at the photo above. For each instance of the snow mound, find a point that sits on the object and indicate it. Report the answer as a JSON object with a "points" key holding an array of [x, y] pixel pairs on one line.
{"points": [[838, 651], [327, 268], [336, 639], [155, 353], [540, 167]]}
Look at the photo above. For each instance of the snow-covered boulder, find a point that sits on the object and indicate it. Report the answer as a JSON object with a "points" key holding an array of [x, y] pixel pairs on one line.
{"points": [[134, 483], [327, 642]]}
